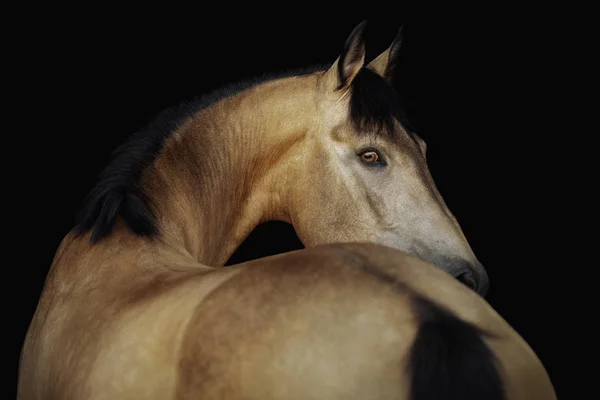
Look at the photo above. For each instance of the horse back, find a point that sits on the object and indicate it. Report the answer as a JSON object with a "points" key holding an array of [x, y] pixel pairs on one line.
{"points": [[341, 322]]}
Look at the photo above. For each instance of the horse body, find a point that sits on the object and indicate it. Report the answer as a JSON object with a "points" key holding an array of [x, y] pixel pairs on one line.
{"points": [[135, 306], [315, 323]]}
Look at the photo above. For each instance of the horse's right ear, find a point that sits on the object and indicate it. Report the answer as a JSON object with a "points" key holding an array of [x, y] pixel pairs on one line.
{"points": [[385, 63], [350, 61]]}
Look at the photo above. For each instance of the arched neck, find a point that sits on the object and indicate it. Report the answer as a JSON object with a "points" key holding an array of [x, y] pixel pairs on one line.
{"points": [[228, 169]]}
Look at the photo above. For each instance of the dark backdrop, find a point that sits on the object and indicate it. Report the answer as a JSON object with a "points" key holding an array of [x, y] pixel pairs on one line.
{"points": [[471, 90]]}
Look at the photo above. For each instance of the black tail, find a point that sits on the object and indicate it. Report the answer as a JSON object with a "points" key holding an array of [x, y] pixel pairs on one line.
{"points": [[450, 360]]}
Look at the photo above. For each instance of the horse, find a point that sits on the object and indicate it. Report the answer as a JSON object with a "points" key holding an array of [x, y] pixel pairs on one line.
{"points": [[384, 302]]}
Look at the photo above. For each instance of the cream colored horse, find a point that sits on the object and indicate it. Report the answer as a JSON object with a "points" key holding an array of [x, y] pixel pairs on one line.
{"points": [[135, 305]]}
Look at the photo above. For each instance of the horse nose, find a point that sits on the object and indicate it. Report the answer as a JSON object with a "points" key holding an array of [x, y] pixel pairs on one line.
{"points": [[474, 277], [468, 279]]}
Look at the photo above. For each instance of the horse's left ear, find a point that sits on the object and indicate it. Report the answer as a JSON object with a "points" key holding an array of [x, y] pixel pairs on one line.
{"points": [[350, 61], [385, 63]]}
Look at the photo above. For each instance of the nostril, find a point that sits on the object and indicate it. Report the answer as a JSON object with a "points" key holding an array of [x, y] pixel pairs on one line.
{"points": [[468, 279]]}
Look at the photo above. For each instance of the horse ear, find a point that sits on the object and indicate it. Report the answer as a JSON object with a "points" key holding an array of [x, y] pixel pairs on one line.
{"points": [[350, 61], [385, 63]]}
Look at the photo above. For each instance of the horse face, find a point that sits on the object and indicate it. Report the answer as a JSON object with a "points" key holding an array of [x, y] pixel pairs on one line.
{"points": [[367, 174]]}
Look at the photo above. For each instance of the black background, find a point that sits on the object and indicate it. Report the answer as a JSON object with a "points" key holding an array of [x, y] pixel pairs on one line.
{"points": [[86, 79]]}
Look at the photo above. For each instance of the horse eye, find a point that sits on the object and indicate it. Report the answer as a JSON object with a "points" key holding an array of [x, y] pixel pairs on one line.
{"points": [[370, 157]]}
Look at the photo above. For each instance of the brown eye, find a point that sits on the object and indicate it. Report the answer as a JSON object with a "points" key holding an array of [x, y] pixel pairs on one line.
{"points": [[370, 157]]}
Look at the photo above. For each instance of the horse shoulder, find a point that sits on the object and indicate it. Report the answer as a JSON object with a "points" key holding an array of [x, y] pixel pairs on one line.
{"points": [[142, 347], [97, 345]]}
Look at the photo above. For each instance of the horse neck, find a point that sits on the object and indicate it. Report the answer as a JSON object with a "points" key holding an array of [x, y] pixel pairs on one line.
{"points": [[226, 170]]}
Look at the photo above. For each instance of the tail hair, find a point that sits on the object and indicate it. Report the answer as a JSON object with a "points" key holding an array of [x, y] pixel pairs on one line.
{"points": [[449, 359]]}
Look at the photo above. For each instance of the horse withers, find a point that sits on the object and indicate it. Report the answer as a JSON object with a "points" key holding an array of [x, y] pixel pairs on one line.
{"points": [[135, 304]]}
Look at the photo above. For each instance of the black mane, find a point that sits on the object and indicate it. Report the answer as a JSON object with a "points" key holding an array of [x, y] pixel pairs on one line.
{"points": [[374, 105], [116, 192]]}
